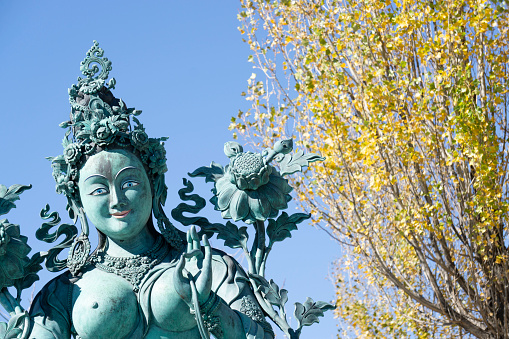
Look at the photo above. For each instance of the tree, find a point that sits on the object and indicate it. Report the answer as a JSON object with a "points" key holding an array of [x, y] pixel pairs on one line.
{"points": [[407, 100]]}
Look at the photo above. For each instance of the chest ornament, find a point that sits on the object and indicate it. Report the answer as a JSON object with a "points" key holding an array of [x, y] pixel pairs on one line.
{"points": [[132, 268]]}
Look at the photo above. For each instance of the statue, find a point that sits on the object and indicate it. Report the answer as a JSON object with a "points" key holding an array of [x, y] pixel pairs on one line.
{"points": [[139, 282]]}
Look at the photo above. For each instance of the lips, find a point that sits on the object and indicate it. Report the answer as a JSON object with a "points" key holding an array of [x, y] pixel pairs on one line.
{"points": [[120, 215]]}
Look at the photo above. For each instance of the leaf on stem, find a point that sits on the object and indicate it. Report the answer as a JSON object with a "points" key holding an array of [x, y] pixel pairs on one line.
{"points": [[211, 174], [292, 163], [9, 195], [280, 229], [233, 236], [309, 312]]}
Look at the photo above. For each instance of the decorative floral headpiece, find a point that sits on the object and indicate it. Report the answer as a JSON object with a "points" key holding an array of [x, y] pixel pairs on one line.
{"points": [[99, 121]]}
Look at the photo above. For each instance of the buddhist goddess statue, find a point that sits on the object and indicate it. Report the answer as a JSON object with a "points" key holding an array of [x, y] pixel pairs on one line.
{"points": [[146, 278]]}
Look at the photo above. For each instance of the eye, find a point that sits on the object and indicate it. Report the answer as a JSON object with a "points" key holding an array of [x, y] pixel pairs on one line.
{"points": [[99, 191], [130, 183]]}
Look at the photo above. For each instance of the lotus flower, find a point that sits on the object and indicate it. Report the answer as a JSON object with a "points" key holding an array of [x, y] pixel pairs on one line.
{"points": [[250, 190], [13, 253]]}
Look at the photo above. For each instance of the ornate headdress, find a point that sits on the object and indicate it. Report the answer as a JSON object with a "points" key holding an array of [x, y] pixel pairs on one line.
{"points": [[99, 121]]}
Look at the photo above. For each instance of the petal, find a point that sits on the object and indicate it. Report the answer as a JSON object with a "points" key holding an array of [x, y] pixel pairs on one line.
{"points": [[222, 182], [12, 266], [239, 206], [13, 230], [273, 212], [258, 204], [242, 183], [249, 219], [3, 280], [265, 176], [225, 195], [3, 326], [281, 183], [254, 182], [18, 248], [274, 196], [255, 208], [226, 214]]}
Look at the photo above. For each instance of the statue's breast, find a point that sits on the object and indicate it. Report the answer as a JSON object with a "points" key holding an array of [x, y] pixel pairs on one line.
{"points": [[170, 312], [105, 306]]}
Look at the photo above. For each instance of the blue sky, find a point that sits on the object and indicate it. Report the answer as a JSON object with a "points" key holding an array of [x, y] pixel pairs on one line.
{"points": [[183, 64]]}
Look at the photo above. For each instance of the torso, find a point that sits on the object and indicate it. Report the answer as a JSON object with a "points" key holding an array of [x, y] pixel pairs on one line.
{"points": [[111, 309], [100, 305]]}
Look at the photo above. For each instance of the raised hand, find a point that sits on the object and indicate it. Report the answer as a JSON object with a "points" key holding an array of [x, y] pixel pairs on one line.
{"points": [[200, 265]]}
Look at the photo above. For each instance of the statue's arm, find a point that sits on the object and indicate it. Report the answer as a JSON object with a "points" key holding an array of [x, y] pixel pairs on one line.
{"points": [[50, 312]]}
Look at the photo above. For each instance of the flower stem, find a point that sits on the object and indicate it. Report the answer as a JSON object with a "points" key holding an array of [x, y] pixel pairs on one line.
{"points": [[273, 315], [262, 267], [260, 246]]}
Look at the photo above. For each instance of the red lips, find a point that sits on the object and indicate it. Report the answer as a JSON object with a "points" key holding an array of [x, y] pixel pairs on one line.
{"points": [[120, 215]]}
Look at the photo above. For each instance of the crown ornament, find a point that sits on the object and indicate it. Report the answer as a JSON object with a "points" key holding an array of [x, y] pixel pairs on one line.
{"points": [[100, 121], [84, 97]]}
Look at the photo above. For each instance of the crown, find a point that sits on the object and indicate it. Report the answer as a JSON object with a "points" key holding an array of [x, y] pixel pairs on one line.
{"points": [[100, 121], [92, 101]]}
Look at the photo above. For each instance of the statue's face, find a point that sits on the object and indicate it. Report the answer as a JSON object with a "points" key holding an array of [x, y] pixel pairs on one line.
{"points": [[115, 193]]}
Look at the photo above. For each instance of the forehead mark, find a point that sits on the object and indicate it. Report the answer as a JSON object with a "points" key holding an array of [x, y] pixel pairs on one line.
{"points": [[124, 169]]}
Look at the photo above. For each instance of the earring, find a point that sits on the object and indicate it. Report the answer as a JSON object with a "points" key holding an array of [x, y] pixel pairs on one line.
{"points": [[78, 254]]}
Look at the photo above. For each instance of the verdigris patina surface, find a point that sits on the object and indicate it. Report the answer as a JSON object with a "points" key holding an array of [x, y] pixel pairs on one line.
{"points": [[140, 282]]}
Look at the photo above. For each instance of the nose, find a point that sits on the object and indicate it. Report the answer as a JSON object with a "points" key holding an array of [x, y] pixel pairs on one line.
{"points": [[118, 199]]}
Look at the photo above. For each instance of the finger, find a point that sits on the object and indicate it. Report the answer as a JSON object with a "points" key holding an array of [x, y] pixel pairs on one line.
{"points": [[193, 254], [204, 282], [207, 260], [206, 245], [181, 284], [189, 241], [196, 239], [179, 275]]}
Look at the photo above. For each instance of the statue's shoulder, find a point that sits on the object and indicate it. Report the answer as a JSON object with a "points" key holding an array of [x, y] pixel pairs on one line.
{"points": [[51, 308], [58, 285]]}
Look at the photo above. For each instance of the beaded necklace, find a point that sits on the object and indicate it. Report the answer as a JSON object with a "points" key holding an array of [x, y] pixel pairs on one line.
{"points": [[132, 268]]}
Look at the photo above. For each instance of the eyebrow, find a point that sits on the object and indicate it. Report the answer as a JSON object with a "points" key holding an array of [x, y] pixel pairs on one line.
{"points": [[102, 176], [124, 169], [95, 175]]}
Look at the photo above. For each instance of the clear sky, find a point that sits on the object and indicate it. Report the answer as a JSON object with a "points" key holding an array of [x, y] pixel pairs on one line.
{"points": [[183, 64]]}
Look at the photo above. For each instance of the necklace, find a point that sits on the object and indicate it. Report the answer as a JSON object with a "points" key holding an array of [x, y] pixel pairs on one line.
{"points": [[132, 268]]}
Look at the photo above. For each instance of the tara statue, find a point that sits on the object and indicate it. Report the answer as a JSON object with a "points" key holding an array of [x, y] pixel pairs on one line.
{"points": [[146, 278]]}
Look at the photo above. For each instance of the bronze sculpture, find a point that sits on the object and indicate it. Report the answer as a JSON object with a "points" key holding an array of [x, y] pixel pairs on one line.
{"points": [[138, 282]]}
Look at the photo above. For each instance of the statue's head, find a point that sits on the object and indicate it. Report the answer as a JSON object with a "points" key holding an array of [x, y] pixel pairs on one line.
{"points": [[104, 142], [116, 193]]}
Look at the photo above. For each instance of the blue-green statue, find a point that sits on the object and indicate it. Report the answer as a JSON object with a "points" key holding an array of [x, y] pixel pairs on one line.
{"points": [[145, 278]]}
